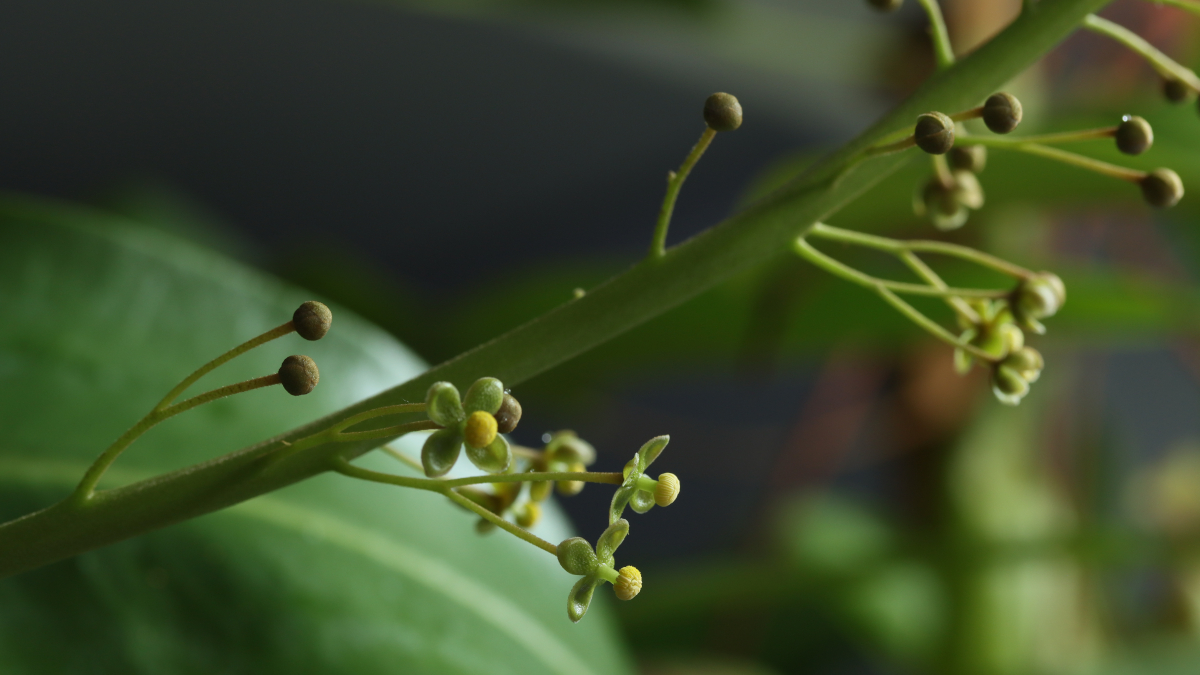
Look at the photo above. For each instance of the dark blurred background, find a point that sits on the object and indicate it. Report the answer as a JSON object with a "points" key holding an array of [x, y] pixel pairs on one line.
{"points": [[451, 170]]}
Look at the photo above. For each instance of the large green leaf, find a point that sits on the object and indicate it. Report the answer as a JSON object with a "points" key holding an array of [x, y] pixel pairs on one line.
{"points": [[328, 576]]}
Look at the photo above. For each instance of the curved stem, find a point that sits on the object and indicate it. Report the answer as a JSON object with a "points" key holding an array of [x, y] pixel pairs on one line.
{"points": [[1044, 139], [614, 478], [838, 268], [403, 458], [942, 48], [1095, 165], [925, 272], [1165, 65], [658, 246], [401, 409], [345, 468], [277, 332], [897, 246], [932, 326], [87, 486], [503, 524]]}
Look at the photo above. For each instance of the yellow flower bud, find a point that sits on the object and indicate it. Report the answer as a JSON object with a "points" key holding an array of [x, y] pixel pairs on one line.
{"points": [[572, 487], [481, 429], [629, 584], [667, 489]]}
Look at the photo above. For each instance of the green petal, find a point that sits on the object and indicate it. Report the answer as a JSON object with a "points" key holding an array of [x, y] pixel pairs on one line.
{"points": [[442, 404], [576, 556], [580, 597], [651, 450], [642, 501], [493, 458], [610, 539], [487, 394], [619, 501], [440, 451]]}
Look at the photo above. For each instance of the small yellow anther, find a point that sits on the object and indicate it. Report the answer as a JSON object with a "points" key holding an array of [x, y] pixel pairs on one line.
{"points": [[629, 583], [481, 429], [667, 489]]}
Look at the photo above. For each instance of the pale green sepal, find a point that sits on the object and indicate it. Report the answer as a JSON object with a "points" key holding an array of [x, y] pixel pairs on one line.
{"points": [[580, 597], [443, 405], [610, 539], [641, 501], [651, 450], [487, 394], [576, 556], [494, 458], [440, 451]]}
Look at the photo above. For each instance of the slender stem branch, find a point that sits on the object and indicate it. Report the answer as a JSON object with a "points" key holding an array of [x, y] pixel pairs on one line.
{"points": [[278, 331], [897, 247], [969, 114], [1059, 155], [838, 268], [942, 48], [403, 458], [401, 409], [1044, 139], [1165, 65], [941, 167], [386, 432], [615, 478], [87, 486], [926, 272], [1187, 5], [502, 523], [889, 148], [658, 246], [930, 325], [344, 467], [528, 453]]}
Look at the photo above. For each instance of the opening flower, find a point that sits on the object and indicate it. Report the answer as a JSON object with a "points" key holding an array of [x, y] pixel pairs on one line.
{"points": [[595, 566], [470, 421], [639, 491]]}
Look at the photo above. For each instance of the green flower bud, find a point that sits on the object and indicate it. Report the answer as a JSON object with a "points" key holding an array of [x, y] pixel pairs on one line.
{"points": [[722, 112], [569, 488], [312, 320], [941, 205], [540, 490], [967, 190], [1002, 113], [509, 414], [1134, 135], [529, 514], [1175, 90], [565, 446], [1008, 385], [487, 394], [484, 526], [934, 133], [442, 404], [971, 158], [1026, 362], [576, 556], [1038, 297], [886, 5], [1161, 188], [298, 374]]}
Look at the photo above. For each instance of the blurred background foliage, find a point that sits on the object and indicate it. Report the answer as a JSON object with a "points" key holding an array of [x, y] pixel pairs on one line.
{"points": [[448, 170]]}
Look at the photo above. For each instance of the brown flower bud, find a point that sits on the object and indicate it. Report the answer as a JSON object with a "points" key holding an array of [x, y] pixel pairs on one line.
{"points": [[1162, 188], [298, 374], [1002, 113], [312, 320], [508, 415], [722, 112], [934, 133], [1134, 135]]}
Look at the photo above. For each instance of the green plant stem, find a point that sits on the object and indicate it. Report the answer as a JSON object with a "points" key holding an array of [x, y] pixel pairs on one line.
{"points": [[658, 246], [1059, 155], [614, 478], [403, 458], [277, 332], [752, 236], [970, 114], [838, 268], [1165, 65], [1044, 139], [942, 48], [925, 272], [519, 532], [1186, 5], [885, 289], [87, 486], [898, 246], [889, 148]]}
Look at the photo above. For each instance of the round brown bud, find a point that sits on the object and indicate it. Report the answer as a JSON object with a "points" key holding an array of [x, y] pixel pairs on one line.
{"points": [[1162, 188], [971, 158], [722, 112], [886, 5], [629, 583], [508, 415], [1134, 135], [298, 375], [934, 133], [312, 320], [1175, 90], [1002, 113]]}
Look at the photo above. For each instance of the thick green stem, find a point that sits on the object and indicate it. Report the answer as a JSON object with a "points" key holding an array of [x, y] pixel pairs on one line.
{"points": [[942, 48], [658, 246], [750, 237], [1165, 65]]}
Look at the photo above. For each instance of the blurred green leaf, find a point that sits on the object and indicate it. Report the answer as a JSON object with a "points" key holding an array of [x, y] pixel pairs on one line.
{"points": [[330, 575]]}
